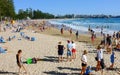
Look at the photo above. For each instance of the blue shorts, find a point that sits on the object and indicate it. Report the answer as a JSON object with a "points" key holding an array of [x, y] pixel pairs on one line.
{"points": [[112, 61], [69, 53]]}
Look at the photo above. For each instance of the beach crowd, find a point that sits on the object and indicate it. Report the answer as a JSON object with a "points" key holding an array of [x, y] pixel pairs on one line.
{"points": [[109, 44]]}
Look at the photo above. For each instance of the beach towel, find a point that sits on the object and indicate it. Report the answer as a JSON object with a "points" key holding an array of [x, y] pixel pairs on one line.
{"points": [[2, 50], [32, 38], [22, 34], [2, 40], [31, 61]]}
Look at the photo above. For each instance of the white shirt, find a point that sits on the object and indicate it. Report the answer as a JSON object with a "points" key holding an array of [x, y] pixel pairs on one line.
{"points": [[69, 46], [84, 59], [73, 45], [100, 54]]}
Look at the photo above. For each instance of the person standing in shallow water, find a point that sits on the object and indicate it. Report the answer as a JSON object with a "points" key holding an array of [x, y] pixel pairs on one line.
{"points": [[19, 61]]}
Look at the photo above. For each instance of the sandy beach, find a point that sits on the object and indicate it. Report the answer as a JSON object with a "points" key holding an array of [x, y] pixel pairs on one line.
{"points": [[44, 49]]}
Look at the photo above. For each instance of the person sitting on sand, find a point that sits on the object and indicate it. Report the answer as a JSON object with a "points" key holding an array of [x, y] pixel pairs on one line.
{"points": [[60, 51], [88, 71], [69, 52], [84, 62], [19, 61], [118, 46], [112, 59], [32, 60]]}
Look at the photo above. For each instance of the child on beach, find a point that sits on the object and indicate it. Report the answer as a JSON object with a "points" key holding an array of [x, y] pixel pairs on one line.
{"points": [[60, 51], [88, 71], [69, 53], [19, 61], [73, 50], [112, 59], [84, 62]]}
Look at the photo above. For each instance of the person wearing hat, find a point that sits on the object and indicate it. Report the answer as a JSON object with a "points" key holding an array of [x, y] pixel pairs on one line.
{"points": [[84, 62], [60, 51]]}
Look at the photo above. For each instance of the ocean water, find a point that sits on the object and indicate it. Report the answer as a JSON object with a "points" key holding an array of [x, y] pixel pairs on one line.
{"points": [[109, 25]]}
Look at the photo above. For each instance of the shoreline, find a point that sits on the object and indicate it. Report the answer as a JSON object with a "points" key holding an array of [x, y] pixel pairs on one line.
{"points": [[83, 37]]}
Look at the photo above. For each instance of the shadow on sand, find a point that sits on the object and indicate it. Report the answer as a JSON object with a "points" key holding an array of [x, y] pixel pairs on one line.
{"points": [[7, 73], [50, 59], [72, 69], [56, 34], [113, 69], [59, 73]]}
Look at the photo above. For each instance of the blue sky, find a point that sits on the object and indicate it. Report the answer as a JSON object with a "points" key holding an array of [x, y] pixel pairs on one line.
{"points": [[61, 7]]}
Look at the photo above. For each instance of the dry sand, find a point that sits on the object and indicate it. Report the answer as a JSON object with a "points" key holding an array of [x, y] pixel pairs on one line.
{"points": [[44, 48]]}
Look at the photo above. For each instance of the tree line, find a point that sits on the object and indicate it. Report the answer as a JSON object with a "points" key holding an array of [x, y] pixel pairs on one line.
{"points": [[7, 9], [33, 14]]}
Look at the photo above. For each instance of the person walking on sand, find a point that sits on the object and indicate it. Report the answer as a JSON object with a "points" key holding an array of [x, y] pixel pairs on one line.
{"points": [[60, 51], [19, 61], [69, 53], [100, 60], [73, 50], [77, 35], [84, 62], [62, 30], [92, 37], [70, 31]]}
